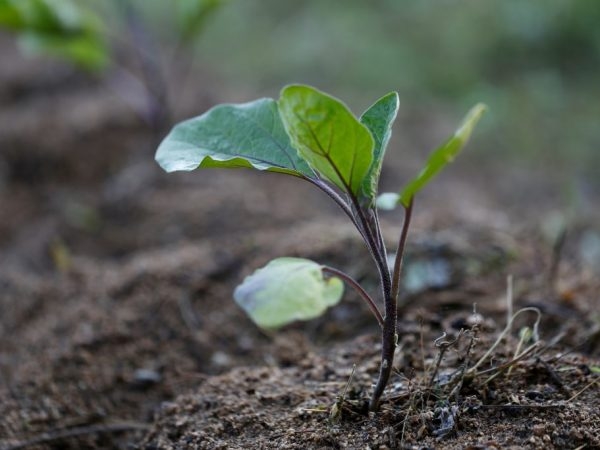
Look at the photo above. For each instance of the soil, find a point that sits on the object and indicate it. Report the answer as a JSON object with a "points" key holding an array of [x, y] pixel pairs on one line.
{"points": [[117, 327]]}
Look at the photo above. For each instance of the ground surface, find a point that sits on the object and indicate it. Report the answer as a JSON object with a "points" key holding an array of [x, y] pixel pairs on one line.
{"points": [[117, 328]]}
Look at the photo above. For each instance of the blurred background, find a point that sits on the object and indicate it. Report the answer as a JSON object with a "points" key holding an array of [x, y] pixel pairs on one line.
{"points": [[144, 64], [536, 65], [106, 80]]}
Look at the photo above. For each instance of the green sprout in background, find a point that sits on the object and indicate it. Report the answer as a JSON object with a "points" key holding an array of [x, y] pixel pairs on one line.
{"points": [[315, 137], [122, 39], [77, 31], [59, 28]]}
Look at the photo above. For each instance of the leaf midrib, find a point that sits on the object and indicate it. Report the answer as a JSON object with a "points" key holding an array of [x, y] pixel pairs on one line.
{"points": [[326, 154]]}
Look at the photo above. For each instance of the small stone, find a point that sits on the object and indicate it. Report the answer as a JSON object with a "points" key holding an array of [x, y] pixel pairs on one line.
{"points": [[145, 378], [221, 359]]}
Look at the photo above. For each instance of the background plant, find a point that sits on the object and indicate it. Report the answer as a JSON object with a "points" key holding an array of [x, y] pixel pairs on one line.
{"points": [[315, 137], [123, 39]]}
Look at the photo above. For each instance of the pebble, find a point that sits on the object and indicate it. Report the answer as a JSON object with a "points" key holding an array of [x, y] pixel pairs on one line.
{"points": [[146, 377]]}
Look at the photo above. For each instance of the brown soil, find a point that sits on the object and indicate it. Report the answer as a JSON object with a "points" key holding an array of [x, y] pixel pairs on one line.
{"points": [[117, 328]]}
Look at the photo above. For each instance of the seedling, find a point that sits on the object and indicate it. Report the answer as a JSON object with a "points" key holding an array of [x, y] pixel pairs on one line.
{"points": [[314, 137]]}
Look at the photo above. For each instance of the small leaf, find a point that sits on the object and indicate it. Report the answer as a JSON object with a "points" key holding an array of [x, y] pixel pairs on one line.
{"points": [[387, 201], [286, 290], [379, 119], [328, 136], [244, 135], [443, 155]]}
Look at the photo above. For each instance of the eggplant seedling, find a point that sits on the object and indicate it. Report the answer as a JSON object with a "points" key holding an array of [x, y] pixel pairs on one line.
{"points": [[314, 137]]}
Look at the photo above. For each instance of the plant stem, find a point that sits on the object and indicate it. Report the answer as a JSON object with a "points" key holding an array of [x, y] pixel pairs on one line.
{"points": [[379, 234], [371, 234], [337, 198], [358, 288], [356, 215], [373, 245], [388, 346], [400, 251], [388, 335]]}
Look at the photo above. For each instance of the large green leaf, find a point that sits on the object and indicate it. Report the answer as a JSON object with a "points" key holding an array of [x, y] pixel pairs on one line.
{"points": [[379, 119], [443, 155], [286, 290], [328, 136], [244, 135]]}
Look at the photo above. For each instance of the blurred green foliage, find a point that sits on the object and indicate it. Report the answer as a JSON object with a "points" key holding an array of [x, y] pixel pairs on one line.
{"points": [[81, 31], [536, 64], [58, 28]]}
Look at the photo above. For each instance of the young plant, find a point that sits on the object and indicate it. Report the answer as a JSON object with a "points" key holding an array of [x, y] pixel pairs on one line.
{"points": [[313, 136]]}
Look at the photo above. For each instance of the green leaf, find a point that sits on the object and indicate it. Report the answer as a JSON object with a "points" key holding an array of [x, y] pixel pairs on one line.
{"points": [[244, 135], [286, 290], [379, 119], [324, 131], [443, 155]]}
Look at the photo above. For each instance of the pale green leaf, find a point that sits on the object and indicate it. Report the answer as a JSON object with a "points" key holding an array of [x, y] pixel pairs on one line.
{"points": [[243, 135], [324, 131], [286, 290], [443, 155], [379, 119]]}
